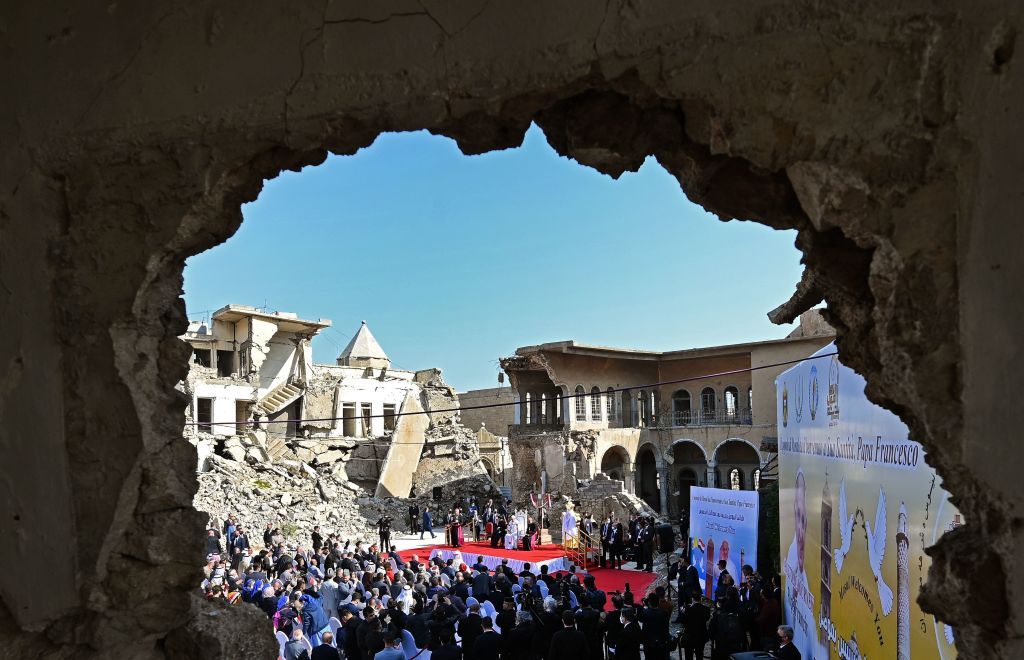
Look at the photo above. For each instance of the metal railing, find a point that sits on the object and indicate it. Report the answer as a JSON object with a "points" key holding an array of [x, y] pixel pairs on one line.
{"points": [[740, 416]]}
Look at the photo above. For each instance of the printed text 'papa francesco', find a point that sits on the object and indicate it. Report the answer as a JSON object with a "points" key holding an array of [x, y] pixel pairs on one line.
{"points": [[903, 454]]}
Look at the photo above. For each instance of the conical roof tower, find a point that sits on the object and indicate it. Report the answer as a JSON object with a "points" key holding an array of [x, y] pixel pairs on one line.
{"points": [[364, 351]]}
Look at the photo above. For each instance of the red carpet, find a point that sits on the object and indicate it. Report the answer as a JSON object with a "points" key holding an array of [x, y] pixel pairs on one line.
{"points": [[607, 579], [470, 550]]}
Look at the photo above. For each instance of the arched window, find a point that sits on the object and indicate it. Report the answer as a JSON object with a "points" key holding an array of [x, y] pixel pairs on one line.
{"points": [[641, 408], [595, 404], [757, 480], [681, 407], [609, 403], [735, 479], [750, 403], [707, 404], [581, 404], [542, 417], [538, 402], [732, 402], [530, 417]]}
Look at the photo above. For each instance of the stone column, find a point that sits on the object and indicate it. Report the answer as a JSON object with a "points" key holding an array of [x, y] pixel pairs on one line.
{"points": [[628, 481], [712, 466], [664, 487]]}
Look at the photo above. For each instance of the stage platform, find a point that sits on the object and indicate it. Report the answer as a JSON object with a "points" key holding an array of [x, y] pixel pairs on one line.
{"points": [[552, 556]]}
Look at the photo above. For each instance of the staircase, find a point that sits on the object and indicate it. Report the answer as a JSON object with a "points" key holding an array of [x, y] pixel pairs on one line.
{"points": [[272, 445], [278, 398], [586, 553]]}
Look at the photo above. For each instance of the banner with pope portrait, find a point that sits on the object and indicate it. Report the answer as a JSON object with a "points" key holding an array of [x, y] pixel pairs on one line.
{"points": [[723, 527], [858, 506]]}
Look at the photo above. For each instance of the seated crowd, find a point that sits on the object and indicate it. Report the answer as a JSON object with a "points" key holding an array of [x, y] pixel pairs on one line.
{"points": [[341, 599]]}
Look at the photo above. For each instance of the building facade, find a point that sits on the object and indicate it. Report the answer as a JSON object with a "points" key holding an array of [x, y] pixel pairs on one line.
{"points": [[661, 422]]}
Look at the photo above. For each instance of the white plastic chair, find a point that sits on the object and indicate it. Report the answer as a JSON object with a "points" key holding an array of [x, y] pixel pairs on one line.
{"points": [[308, 644], [384, 600], [488, 608], [334, 623], [282, 639]]}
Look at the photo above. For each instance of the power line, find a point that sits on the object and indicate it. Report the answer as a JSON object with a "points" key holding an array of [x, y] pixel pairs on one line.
{"points": [[501, 404]]}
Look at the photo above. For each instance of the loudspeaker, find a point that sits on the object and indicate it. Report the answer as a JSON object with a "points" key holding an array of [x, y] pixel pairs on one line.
{"points": [[666, 537]]}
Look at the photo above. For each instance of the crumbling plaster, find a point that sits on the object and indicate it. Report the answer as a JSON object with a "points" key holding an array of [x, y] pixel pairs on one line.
{"points": [[886, 133]]}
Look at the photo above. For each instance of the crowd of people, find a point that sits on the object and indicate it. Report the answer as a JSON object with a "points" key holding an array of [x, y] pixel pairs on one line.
{"points": [[741, 617], [632, 540], [390, 609], [485, 522]]}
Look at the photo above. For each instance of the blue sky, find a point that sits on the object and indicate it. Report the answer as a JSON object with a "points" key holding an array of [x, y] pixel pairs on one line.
{"points": [[455, 261]]}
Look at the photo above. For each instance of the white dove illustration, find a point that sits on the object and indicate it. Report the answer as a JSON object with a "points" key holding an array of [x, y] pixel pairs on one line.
{"points": [[948, 631], [845, 529], [876, 553]]}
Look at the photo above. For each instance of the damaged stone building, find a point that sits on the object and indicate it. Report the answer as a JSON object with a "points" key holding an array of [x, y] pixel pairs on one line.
{"points": [[886, 135], [583, 410], [257, 398]]}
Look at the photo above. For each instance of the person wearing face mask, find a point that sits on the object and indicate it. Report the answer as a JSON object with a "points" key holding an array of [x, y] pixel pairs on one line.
{"points": [[627, 647]]}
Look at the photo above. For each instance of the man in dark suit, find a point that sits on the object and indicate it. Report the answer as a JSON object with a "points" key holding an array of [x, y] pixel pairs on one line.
{"points": [[488, 645], [695, 627], [648, 545], [787, 651], [469, 629], [522, 641], [428, 523], [655, 632], [588, 622], [483, 585], [606, 540], [691, 578], [414, 518], [627, 646], [325, 651], [568, 642], [352, 625], [526, 572], [318, 539], [461, 587], [721, 576], [447, 648]]}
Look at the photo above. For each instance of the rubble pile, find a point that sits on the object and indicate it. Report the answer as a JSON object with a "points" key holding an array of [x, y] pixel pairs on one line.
{"points": [[451, 459], [290, 495], [294, 483]]}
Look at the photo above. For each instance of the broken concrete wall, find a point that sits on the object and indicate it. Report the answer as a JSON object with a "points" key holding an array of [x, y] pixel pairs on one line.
{"points": [[496, 419], [887, 134], [257, 347], [396, 476]]}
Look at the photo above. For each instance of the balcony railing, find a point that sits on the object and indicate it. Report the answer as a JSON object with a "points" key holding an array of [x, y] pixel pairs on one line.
{"points": [[739, 416]]}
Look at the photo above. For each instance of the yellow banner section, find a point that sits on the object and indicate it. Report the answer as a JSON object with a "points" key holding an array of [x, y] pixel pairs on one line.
{"points": [[858, 506]]}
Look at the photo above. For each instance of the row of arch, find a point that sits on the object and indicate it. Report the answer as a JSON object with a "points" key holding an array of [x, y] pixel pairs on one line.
{"points": [[663, 481], [609, 405], [598, 405]]}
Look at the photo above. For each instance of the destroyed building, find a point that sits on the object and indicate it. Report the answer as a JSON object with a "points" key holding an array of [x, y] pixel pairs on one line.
{"points": [[583, 410], [339, 435]]}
